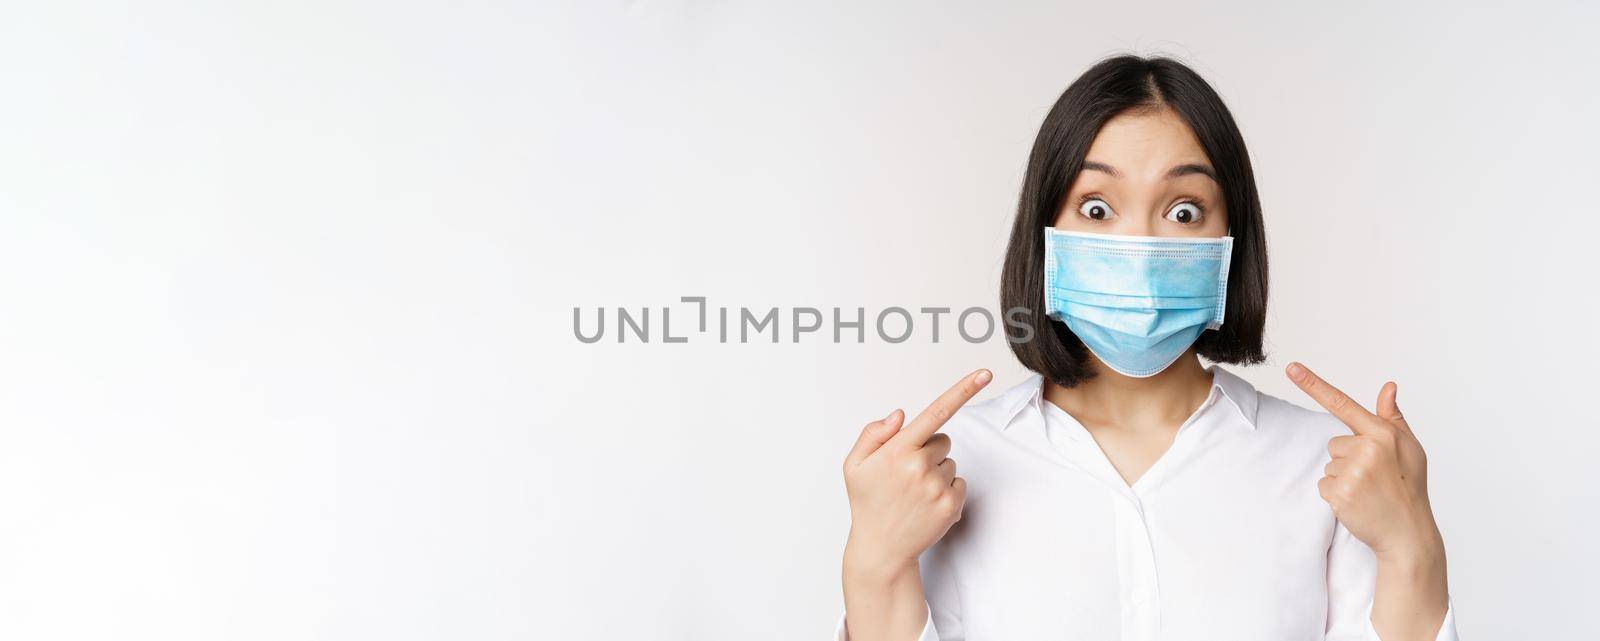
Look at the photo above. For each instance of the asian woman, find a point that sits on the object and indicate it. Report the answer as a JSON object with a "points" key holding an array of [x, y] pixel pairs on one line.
{"points": [[1127, 490]]}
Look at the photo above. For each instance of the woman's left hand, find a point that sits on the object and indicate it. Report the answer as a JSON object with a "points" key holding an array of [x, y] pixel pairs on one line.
{"points": [[1377, 482]]}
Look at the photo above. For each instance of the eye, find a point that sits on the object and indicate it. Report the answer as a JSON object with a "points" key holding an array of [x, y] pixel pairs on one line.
{"points": [[1095, 209], [1185, 213]]}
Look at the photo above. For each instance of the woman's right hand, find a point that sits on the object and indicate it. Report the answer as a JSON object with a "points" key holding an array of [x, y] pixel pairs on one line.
{"points": [[903, 488]]}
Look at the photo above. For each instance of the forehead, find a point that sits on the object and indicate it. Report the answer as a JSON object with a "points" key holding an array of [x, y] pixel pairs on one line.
{"points": [[1146, 137]]}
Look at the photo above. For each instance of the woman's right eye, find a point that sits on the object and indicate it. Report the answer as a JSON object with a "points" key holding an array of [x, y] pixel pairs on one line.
{"points": [[1095, 209]]}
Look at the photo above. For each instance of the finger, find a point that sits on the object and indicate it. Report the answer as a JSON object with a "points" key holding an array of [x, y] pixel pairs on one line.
{"points": [[1344, 446], [1329, 397], [959, 486], [1389, 407], [937, 447], [874, 435], [931, 419], [1336, 467], [947, 470], [1325, 489]]}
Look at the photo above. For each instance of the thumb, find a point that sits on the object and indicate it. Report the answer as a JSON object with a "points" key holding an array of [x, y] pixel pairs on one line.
{"points": [[1389, 407], [874, 435]]}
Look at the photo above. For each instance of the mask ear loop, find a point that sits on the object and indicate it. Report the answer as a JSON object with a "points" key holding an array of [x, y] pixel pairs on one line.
{"points": [[1222, 311]]}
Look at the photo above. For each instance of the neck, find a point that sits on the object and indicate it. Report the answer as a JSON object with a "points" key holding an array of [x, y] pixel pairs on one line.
{"points": [[1110, 399]]}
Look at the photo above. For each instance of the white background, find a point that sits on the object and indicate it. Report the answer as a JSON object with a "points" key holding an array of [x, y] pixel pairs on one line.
{"points": [[286, 292]]}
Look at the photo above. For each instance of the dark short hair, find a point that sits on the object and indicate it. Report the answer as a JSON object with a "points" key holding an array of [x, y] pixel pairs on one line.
{"points": [[1111, 87]]}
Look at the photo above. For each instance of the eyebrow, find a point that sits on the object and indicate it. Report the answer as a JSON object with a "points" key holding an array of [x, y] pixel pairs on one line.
{"points": [[1175, 172], [1191, 168], [1090, 165]]}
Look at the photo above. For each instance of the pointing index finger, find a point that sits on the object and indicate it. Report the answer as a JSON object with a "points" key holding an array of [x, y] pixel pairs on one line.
{"points": [[921, 428], [1325, 394]]}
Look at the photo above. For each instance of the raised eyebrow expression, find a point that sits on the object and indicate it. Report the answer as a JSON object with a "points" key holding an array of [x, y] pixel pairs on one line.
{"points": [[1179, 170]]}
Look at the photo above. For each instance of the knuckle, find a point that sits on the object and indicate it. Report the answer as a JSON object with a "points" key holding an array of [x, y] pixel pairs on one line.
{"points": [[1333, 491], [1338, 402]]}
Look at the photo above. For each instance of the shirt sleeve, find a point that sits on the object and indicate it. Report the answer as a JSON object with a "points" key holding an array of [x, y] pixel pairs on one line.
{"points": [[929, 633], [944, 604], [1352, 582]]}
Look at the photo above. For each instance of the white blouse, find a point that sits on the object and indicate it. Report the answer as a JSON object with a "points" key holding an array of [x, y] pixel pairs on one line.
{"points": [[1224, 537]]}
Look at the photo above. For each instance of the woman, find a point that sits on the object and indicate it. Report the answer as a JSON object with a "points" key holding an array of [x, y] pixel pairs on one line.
{"points": [[1127, 491]]}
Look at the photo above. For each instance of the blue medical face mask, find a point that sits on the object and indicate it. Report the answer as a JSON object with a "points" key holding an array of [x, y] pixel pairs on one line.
{"points": [[1137, 302]]}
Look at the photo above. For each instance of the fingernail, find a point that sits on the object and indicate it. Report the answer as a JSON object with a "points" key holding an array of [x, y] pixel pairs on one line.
{"points": [[890, 417], [983, 377], [1297, 371]]}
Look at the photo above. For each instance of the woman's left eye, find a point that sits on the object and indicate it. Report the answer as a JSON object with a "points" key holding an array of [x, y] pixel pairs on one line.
{"points": [[1184, 213]]}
